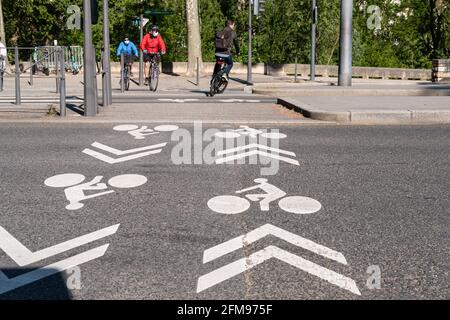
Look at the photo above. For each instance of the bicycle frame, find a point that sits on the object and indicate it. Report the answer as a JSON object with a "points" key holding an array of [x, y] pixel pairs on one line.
{"points": [[271, 193], [153, 62]]}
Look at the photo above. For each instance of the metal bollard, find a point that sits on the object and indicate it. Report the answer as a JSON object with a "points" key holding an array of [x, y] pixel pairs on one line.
{"points": [[56, 56], [2, 73], [198, 72], [122, 86], [31, 70], [62, 89], [17, 75]]}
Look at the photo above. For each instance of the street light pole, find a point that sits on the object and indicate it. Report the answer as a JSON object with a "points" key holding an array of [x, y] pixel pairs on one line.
{"points": [[313, 41], [249, 63], [345, 60], [141, 54], [90, 93], [107, 90]]}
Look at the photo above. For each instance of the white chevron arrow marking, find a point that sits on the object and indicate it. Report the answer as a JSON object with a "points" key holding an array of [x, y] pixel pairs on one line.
{"points": [[117, 152], [253, 146], [7, 284], [244, 264], [23, 256], [274, 154], [266, 230], [107, 159], [256, 152]]}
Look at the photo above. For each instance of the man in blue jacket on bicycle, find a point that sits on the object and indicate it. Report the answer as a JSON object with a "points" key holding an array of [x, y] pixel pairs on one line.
{"points": [[129, 50]]}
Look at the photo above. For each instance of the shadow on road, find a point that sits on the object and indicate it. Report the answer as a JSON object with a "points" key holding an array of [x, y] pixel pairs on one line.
{"points": [[78, 109], [53, 287]]}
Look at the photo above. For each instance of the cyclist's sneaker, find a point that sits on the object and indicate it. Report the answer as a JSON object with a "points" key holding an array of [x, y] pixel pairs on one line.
{"points": [[146, 82], [225, 77]]}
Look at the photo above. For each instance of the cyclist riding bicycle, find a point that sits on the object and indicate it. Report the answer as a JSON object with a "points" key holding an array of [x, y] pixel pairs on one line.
{"points": [[225, 40], [129, 50], [151, 45]]}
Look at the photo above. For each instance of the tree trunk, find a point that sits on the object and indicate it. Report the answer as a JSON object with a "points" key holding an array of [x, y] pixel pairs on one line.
{"points": [[2, 25], [194, 39]]}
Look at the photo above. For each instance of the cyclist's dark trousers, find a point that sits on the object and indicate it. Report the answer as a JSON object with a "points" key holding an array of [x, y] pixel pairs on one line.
{"points": [[127, 59], [228, 61]]}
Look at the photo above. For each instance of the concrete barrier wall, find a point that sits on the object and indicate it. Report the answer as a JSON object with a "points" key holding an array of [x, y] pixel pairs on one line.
{"points": [[303, 70]]}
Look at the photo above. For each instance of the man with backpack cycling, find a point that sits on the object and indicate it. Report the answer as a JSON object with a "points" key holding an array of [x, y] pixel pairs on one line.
{"points": [[225, 40], [129, 50], [151, 45]]}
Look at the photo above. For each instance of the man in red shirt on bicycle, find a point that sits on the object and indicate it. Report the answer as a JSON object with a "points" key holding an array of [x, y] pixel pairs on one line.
{"points": [[151, 45]]}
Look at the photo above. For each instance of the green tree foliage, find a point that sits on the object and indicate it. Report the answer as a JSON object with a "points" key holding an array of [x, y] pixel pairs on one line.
{"points": [[412, 31]]}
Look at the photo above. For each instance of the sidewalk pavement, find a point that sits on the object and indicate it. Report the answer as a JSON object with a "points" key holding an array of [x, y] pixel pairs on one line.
{"points": [[372, 109], [366, 102], [360, 87]]}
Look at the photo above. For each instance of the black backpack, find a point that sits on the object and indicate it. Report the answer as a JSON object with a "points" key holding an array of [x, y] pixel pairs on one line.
{"points": [[222, 40]]}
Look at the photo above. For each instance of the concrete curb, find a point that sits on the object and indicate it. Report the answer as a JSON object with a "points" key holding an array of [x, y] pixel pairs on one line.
{"points": [[308, 92], [369, 116], [83, 120]]}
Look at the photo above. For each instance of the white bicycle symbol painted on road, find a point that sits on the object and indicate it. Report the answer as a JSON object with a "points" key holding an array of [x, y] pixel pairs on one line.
{"points": [[140, 133], [251, 132], [234, 205], [75, 188]]}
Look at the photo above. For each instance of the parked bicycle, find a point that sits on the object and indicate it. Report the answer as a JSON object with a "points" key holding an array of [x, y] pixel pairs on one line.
{"points": [[72, 65], [41, 61], [219, 81]]}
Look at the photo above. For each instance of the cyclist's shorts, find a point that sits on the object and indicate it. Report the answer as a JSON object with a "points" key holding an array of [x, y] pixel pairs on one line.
{"points": [[148, 56]]}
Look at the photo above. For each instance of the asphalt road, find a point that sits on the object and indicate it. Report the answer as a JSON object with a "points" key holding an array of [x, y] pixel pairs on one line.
{"points": [[383, 191]]}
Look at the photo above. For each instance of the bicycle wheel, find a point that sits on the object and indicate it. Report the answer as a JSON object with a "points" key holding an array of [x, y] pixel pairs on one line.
{"points": [[126, 79], [214, 85], [228, 204], [222, 85], [154, 79], [299, 205]]}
